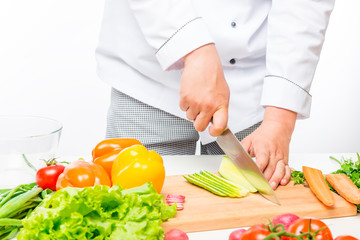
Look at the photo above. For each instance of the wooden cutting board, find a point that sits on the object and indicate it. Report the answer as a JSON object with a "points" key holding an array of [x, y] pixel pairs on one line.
{"points": [[204, 211]]}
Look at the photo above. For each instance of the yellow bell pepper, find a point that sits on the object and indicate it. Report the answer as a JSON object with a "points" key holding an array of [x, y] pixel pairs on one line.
{"points": [[135, 166]]}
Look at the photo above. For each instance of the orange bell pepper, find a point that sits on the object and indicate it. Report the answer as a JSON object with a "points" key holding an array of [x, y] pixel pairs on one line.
{"points": [[107, 150], [108, 145], [107, 160], [80, 174], [135, 166]]}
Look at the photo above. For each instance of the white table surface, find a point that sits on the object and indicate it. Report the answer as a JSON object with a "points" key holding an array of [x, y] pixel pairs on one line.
{"points": [[175, 165]]}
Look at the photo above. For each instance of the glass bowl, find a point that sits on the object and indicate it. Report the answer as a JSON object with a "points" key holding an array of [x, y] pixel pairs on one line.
{"points": [[24, 142]]}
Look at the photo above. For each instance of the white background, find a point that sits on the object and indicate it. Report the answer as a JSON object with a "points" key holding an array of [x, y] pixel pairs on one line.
{"points": [[48, 68]]}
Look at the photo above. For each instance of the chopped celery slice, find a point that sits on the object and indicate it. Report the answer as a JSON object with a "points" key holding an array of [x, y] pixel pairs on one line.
{"points": [[229, 171], [216, 184], [242, 190]]}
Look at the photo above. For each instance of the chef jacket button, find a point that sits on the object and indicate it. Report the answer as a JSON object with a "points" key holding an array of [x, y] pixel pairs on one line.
{"points": [[232, 61], [233, 24]]}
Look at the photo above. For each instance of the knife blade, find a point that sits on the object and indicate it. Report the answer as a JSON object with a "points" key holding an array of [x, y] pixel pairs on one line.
{"points": [[240, 157]]}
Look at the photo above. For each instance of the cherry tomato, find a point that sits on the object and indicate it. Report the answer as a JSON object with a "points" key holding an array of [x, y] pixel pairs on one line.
{"points": [[46, 177], [309, 225], [346, 237]]}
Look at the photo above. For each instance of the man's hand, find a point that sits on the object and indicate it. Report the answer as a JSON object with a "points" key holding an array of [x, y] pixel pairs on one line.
{"points": [[270, 144], [204, 93]]}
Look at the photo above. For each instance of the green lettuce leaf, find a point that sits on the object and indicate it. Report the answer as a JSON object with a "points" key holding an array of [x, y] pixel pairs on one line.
{"points": [[99, 212]]}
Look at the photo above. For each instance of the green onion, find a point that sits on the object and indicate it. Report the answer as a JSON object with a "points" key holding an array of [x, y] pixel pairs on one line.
{"points": [[10, 222], [17, 202], [15, 205]]}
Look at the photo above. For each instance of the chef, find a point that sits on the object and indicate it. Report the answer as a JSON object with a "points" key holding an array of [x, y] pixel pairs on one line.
{"points": [[184, 70]]}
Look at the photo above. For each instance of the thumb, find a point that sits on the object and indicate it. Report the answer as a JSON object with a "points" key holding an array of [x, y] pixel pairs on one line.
{"points": [[219, 122]]}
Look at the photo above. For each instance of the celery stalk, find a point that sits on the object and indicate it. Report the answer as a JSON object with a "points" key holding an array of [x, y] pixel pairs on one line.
{"points": [[229, 171], [200, 183], [242, 190], [223, 188], [216, 184]]}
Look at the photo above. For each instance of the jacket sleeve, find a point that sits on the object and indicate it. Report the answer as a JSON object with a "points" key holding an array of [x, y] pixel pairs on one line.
{"points": [[172, 28], [296, 32]]}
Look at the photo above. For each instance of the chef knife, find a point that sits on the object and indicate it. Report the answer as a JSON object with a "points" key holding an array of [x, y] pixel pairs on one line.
{"points": [[239, 156]]}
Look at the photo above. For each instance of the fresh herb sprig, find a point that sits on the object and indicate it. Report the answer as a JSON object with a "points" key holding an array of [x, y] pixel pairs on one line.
{"points": [[297, 177]]}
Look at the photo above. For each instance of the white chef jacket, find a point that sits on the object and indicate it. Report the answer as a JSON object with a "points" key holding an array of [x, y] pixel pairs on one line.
{"points": [[269, 51]]}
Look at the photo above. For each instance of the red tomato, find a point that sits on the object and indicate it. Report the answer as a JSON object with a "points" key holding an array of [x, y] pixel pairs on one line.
{"points": [[346, 237], [236, 234], [255, 234], [46, 177], [257, 226], [303, 224]]}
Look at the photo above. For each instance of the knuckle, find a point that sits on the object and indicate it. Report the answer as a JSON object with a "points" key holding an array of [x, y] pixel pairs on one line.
{"points": [[262, 165], [208, 106]]}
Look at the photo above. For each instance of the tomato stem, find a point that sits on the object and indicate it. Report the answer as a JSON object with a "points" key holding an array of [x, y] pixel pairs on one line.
{"points": [[279, 231]]}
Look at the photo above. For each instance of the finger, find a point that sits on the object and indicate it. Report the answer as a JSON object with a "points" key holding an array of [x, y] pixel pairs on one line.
{"points": [[262, 160], [278, 175], [287, 176], [183, 104], [202, 121], [270, 168], [192, 113], [219, 122]]}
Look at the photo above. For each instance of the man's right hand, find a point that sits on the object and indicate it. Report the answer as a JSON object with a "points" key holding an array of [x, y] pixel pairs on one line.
{"points": [[204, 93]]}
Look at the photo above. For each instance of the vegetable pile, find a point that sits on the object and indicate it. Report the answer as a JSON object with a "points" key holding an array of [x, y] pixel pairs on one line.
{"points": [[288, 227], [98, 213], [344, 181], [114, 196]]}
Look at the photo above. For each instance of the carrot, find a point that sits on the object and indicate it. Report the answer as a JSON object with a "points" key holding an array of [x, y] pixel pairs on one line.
{"points": [[344, 186], [318, 186]]}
